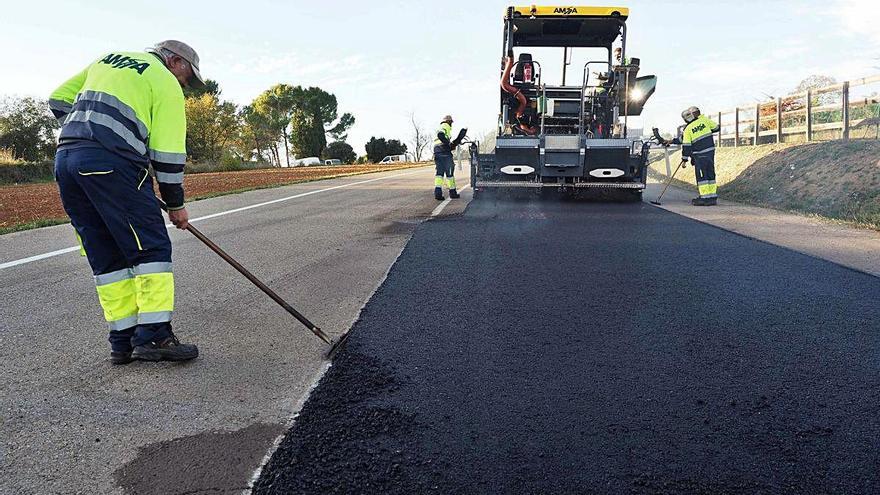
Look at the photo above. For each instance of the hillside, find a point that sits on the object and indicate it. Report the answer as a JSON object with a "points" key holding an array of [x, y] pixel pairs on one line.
{"points": [[835, 179]]}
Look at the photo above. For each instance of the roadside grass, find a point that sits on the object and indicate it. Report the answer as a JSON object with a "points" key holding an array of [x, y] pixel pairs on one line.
{"points": [[836, 180], [48, 222], [43, 222]]}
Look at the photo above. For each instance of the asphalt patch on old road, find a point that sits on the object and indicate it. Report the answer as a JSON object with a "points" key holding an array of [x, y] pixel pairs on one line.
{"points": [[565, 347]]}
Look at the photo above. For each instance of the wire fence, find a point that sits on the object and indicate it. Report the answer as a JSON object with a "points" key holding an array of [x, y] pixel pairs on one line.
{"points": [[847, 110]]}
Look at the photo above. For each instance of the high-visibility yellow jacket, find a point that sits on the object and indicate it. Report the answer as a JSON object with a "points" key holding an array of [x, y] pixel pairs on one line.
{"points": [[132, 105], [697, 138], [441, 145]]}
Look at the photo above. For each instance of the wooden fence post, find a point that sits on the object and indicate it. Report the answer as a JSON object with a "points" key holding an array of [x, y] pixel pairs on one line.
{"points": [[778, 120], [757, 124], [736, 128], [809, 115], [844, 115]]}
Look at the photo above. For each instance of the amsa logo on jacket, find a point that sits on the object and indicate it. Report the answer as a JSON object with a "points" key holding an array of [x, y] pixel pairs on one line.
{"points": [[124, 62]]}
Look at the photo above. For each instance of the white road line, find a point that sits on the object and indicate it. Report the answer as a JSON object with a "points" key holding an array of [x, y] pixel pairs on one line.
{"points": [[439, 209], [38, 257]]}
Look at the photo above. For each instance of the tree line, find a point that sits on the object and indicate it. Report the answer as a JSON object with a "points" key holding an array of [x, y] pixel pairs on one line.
{"points": [[282, 123]]}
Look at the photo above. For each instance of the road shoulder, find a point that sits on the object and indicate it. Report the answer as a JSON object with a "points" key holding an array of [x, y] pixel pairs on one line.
{"points": [[848, 246]]}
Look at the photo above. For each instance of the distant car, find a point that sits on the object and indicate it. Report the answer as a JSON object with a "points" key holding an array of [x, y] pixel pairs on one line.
{"points": [[305, 162], [395, 158], [333, 161]]}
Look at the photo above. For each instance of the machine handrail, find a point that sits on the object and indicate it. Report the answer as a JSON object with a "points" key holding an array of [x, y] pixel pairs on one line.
{"points": [[586, 79]]}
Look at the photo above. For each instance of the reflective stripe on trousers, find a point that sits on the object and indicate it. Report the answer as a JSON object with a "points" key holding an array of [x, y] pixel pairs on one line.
{"points": [[445, 167], [704, 168], [134, 296], [708, 189]]}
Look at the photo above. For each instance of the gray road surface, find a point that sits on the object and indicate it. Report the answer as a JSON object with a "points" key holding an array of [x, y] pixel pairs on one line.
{"points": [[71, 423]]}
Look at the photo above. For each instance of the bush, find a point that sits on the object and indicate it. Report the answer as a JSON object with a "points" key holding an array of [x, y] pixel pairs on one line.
{"points": [[20, 173]]}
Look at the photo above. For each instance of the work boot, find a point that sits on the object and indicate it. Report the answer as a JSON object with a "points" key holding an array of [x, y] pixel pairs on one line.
{"points": [[698, 202], [120, 357], [453, 194], [438, 194], [168, 349], [120, 345], [710, 202]]}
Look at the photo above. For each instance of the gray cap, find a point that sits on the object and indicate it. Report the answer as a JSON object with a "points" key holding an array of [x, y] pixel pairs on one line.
{"points": [[187, 53]]}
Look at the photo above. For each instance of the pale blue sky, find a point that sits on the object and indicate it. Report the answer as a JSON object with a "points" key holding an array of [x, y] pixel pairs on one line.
{"points": [[385, 59]]}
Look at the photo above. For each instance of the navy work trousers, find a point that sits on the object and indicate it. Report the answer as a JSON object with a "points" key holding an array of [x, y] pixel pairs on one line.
{"points": [[704, 168], [112, 206], [445, 169]]}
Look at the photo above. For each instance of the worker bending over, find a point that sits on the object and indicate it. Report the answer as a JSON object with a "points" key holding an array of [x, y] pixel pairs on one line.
{"points": [[443, 161], [121, 114], [697, 143]]}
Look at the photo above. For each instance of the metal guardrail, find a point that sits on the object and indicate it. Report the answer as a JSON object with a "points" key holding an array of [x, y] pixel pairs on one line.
{"points": [[793, 117]]}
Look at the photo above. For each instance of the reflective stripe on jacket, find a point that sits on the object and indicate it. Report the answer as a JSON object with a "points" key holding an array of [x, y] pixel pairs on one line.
{"points": [[132, 105], [439, 146], [697, 138]]}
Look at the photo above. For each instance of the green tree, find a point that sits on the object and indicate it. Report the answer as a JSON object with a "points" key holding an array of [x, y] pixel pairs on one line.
{"points": [[340, 150], [276, 107], [395, 147], [211, 127], [378, 148], [315, 116], [375, 148], [301, 118], [27, 128], [212, 87], [256, 139], [307, 136]]}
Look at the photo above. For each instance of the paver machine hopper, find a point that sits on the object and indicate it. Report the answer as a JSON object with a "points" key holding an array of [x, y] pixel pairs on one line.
{"points": [[567, 137]]}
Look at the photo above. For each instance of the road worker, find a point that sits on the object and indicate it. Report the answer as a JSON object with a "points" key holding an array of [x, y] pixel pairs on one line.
{"points": [[697, 143], [121, 114], [443, 161]]}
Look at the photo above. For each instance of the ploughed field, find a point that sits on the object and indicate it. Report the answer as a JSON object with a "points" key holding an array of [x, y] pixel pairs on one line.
{"points": [[34, 203]]}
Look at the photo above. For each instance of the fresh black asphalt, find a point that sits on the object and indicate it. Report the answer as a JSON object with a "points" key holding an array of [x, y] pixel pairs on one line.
{"points": [[567, 347]]}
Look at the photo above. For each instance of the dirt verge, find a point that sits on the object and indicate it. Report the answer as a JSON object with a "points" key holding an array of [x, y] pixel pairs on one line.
{"points": [[35, 205]]}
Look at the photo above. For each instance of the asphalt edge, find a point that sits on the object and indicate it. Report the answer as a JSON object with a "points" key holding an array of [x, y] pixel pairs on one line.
{"points": [[291, 423], [763, 241]]}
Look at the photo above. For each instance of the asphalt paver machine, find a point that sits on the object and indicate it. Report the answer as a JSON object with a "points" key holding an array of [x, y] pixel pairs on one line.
{"points": [[567, 137]]}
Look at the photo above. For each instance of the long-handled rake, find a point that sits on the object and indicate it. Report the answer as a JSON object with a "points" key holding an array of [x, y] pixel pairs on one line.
{"points": [[334, 345]]}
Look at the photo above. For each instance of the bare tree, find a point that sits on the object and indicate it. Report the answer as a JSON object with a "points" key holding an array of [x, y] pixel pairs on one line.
{"points": [[420, 138], [487, 141]]}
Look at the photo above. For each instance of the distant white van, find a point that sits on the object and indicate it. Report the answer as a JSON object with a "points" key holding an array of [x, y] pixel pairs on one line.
{"points": [[397, 158], [305, 162], [333, 161]]}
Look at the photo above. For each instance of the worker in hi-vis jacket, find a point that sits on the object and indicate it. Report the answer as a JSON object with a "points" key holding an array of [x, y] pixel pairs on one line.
{"points": [[121, 116], [697, 143], [443, 161]]}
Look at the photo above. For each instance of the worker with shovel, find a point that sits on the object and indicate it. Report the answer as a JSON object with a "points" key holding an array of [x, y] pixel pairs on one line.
{"points": [[121, 114], [697, 143], [443, 160]]}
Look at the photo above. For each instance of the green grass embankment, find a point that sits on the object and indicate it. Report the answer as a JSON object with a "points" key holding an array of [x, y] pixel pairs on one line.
{"points": [[834, 179]]}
